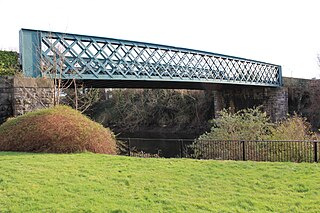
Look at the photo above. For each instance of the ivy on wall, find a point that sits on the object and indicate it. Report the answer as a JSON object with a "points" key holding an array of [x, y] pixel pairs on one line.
{"points": [[9, 63]]}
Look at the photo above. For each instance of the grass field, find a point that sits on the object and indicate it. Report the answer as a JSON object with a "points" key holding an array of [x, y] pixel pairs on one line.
{"points": [[101, 183]]}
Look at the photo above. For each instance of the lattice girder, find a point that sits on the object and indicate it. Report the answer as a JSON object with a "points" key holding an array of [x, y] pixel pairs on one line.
{"points": [[72, 56]]}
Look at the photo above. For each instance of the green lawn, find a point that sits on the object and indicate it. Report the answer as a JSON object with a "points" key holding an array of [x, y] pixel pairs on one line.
{"points": [[101, 183]]}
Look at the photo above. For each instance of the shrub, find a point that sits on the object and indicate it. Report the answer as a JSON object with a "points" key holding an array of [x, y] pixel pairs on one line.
{"points": [[58, 130], [246, 124], [250, 125], [8, 62], [253, 124], [292, 128]]}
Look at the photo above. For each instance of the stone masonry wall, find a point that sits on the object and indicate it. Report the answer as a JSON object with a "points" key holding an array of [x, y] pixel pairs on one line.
{"points": [[19, 95], [273, 100], [276, 102], [31, 94], [6, 95], [304, 98]]}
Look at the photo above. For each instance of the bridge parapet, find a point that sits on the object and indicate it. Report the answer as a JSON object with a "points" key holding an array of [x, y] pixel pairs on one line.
{"points": [[72, 56]]}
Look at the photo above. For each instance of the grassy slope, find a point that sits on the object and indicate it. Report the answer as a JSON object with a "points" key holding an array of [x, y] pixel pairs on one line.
{"points": [[92, 182]]}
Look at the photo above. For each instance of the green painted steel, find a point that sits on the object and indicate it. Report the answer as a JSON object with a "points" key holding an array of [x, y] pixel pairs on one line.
{"points": [[72, 56]]}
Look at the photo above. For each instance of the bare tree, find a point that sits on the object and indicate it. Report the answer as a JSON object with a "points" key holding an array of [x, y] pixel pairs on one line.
{"points": [[66, 91]]}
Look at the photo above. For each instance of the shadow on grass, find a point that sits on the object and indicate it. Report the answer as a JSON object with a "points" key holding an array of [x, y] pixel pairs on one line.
{"points": [[9, 153], [5, 153]]}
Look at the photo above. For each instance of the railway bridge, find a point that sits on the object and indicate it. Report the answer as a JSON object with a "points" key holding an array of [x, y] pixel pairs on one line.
{"points": [[114, 63]]}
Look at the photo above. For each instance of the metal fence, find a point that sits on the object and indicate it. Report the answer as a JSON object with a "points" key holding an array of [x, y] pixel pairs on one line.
{"points": [[280, 151]]}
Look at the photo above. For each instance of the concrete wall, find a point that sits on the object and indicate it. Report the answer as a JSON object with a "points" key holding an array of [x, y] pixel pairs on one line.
{"points": [[19, 95]]}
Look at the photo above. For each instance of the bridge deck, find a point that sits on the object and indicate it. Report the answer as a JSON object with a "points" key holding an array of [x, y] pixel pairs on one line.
{"points": [[90, 59]]}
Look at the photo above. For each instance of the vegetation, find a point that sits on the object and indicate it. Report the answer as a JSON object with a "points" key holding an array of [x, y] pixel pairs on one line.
{"points": [[131, 109], [59, 130], [292, 128], [8, 62], [247, 124], [253, 124], [80, 98], [101, 183]]}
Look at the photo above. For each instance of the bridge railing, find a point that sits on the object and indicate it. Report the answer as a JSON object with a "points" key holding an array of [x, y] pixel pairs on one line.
{"points": [[72, 56]]}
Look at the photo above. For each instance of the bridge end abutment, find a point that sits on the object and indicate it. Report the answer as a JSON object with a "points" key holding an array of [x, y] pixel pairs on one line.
{"points": [[19, 95]]}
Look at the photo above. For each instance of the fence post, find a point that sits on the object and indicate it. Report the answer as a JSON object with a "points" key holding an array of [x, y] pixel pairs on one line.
{"points": [[315, 148], [129, 148], [181, 148], [243, 151]]}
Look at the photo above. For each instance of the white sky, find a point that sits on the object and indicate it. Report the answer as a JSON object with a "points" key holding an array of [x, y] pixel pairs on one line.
{"points": [[284, 32]]}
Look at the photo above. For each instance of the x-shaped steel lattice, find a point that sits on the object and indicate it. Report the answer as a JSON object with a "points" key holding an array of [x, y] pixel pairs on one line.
{"points": [[86, 57]]}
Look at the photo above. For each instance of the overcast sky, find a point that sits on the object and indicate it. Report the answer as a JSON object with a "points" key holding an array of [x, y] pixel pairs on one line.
{"points": [[284, 32]]}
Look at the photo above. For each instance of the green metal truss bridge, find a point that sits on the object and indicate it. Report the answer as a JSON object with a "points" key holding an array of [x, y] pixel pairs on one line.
{"points": [[121, 63]]}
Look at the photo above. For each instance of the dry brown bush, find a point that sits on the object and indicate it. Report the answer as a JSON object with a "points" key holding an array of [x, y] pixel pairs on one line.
{"points": [[57, 130]]}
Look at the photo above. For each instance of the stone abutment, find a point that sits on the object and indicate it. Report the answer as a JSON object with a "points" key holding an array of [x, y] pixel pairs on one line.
{"points": [[19, 95]]}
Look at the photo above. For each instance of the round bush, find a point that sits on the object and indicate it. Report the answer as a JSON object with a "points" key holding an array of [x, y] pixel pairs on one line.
{"points": [[57, 130]]}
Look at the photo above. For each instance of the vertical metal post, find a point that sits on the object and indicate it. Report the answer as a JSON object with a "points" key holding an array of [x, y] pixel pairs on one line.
{"points": [[280, 76], [243, 151], [181, 148], [129, 147], [30, 52], [315, 148]]}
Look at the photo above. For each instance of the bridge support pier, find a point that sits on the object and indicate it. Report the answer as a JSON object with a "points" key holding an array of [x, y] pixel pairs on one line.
{"points": [[273, 100], [276, 103], [218, 102]]}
